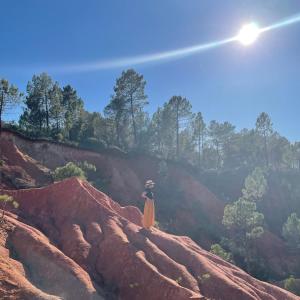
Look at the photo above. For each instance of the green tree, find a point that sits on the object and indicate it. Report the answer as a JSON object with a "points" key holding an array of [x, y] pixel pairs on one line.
{"points": [[161, 132], [4, 201], [116, 110], [179, 109], [130, 94], [291, 230], [36, 116], [241, 217], [255, 185], [9, 97], [91, 122], [199, 129], [245, 225], [295, 155], [220, 134], [73, 109], [155, 131], [56, 108], [264, 128], [187, 145]]}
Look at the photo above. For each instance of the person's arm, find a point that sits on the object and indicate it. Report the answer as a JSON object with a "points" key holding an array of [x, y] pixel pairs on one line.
{"points": [[144, 195]]}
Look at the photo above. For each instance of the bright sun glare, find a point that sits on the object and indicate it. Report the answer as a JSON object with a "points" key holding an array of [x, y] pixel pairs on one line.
{"points": [[248, 34]]}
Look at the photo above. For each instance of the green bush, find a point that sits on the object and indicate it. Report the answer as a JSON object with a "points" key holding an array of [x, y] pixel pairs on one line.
{"points": [[69, 170], [293, 285], [59, 137], [93, 144], [291, 230], [86, 167], [218, 250], [4, 200]]}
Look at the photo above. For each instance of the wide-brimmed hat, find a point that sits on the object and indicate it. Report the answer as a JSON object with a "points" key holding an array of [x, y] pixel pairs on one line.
{"points": [[149, 184]]}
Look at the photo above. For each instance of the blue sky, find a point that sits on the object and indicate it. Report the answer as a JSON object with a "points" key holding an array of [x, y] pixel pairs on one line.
{"points": [[232, 82]]}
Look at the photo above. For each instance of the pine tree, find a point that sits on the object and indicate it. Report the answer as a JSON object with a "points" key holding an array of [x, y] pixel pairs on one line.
{"points": [[199, 129], [129, 95], [265, 129], [56, 107], [116, 110], [72, 109], [37, 111], [220, 134], [291, 230], [9, 97], [179, 109]]}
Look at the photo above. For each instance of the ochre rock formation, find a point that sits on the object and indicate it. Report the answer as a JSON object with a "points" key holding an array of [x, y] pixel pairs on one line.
{"points": [[70, 240]]}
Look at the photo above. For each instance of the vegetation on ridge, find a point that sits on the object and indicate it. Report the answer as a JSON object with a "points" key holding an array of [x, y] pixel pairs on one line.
{"points": [[219, 154]]}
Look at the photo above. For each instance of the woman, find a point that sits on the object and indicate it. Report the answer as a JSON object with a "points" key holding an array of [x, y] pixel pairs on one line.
{"points": [[149, 210]]}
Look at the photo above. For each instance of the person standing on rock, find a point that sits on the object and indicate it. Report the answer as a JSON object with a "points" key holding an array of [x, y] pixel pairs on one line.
{"points": [[149, 209]]}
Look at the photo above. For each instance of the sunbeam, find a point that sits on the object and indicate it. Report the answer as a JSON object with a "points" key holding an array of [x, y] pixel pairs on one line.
{"points": [[142, 59], [283, 23], [247, 39]]}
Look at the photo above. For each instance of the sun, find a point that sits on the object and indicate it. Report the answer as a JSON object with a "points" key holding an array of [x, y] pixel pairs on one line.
{"points": [[248, 34]]}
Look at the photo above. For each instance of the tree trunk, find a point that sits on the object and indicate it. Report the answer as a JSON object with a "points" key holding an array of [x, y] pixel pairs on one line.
{"points": [[199, 149], [266, 150], [133, 121], [47, 112], [40, 119], [202, 145], [177, 130], [218, 155], [117, 123], [57, 126], [158, 135], [1, 110]]}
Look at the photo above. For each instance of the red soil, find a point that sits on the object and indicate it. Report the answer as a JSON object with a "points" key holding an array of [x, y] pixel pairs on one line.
{"points": [[19, 170], [32, 268], [125, 177], [100, 240]]}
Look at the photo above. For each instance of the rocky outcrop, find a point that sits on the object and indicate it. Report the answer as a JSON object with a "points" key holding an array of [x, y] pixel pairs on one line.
{"points": [[191, 209], [124, 177], [32, 268], [19, 170], [69, 237]]}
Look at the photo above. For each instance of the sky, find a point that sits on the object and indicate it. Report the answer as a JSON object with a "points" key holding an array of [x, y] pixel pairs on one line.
{"points": [[227, 83]]}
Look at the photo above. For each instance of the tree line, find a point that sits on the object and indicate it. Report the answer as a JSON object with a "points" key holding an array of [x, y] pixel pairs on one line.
{"points": [[173, 132]]}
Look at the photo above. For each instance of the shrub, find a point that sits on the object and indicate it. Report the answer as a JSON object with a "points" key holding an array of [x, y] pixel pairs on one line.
{"points": [[69, 170], [293, 285], [218, 250], [4, 200], [93, 144], [86, 167], [59, 137], [291, 230]]}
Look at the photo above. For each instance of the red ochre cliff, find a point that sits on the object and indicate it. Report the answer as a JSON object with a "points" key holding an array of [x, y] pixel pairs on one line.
{"points": [[71, 241]]}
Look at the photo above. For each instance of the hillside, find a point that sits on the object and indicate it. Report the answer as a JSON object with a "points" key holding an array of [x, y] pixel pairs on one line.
{"points": [[71, 241], [184, 207], [184, 201]]}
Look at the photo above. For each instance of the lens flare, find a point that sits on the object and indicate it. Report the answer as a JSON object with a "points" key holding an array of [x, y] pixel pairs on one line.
{"points": [[247, 35], [143, 59]]}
